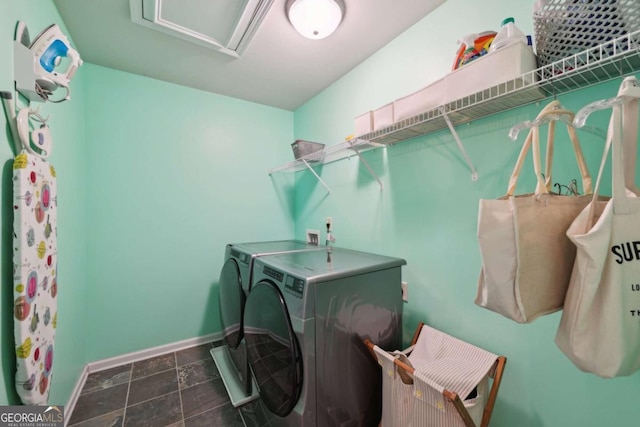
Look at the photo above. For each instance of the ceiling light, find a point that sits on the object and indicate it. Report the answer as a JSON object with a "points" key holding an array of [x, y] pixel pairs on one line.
{"points": [[315, 19]]}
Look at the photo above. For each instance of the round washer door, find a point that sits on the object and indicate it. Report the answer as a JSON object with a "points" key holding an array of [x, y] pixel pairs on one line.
{"points": [[231, 301], [272, 347]]}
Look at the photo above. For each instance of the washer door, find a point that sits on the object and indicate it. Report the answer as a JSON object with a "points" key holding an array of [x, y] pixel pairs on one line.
{"points": [[231, 301], [273, 349]]}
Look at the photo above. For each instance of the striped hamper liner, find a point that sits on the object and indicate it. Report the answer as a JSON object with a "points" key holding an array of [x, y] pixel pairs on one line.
{"points": [[449, 385]]}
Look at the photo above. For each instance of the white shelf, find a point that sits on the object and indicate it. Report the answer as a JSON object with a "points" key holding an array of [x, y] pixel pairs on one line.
{"points": [[610, 60], [613, 59], [329, 154]]}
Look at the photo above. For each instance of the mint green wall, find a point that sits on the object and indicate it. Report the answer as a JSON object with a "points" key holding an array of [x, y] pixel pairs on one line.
{"points": [[147, 171], [427, 213], [154, 180], [174, 175], [67, 129]]}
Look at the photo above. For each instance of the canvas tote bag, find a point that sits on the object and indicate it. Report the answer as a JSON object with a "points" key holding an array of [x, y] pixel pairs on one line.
{"points": [[600, 326], [526, 255]]}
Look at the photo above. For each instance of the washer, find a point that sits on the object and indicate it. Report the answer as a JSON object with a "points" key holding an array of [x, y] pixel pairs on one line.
{"points": [[304, 322], [234, 285]]}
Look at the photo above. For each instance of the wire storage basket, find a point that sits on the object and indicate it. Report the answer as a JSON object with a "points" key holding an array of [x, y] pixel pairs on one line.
{"points": [[566, 27], [310, 151]]}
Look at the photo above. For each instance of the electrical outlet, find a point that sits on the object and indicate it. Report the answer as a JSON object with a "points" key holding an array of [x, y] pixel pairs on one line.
{"points": [[405, 291], [313, 237]]}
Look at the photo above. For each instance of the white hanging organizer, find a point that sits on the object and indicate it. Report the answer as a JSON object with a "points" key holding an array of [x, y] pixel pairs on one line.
{"points": [[40, 70]]}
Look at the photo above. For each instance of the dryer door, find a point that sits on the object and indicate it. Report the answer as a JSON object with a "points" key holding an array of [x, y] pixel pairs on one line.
{"points": [[231, 302], [273, 349]]}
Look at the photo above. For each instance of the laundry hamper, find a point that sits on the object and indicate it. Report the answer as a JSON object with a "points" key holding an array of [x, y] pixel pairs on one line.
{"points": [[440, 381]]}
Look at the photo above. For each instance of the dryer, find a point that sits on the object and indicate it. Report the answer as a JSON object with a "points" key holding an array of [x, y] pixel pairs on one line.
{"points": [[304, 322], [234, 285]]}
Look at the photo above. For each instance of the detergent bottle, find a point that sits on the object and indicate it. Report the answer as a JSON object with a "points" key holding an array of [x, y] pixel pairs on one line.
{"points": [[472, 47], [508, 34], [466, 51]]}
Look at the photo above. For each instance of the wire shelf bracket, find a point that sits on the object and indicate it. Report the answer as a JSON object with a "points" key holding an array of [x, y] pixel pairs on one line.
{"points": [[474, 172], [373, 174], [324, 184]]}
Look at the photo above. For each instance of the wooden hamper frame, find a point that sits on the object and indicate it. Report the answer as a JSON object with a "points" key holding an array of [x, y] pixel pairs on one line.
{"points": [[452, 396]]}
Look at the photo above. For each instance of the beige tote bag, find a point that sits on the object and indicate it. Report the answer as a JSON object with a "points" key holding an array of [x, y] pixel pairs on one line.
{"points": [[600, 326], [526, 255]]}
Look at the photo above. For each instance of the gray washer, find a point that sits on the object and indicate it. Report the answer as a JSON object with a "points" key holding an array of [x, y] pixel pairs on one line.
{"points": [[304, 322], [234, 285]]}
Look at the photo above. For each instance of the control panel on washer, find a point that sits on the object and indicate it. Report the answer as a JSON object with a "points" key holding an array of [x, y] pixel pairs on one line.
{"points": [[294, 286], [240, 256], [274, 274]]}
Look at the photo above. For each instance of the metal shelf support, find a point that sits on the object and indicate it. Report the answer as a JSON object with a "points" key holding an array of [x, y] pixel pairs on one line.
{"points": [[474, 173], [373, 174], [324, 184]]}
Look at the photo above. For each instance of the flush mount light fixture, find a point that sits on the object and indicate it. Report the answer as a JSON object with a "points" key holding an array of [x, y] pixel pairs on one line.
{"points": [[315, 19]]}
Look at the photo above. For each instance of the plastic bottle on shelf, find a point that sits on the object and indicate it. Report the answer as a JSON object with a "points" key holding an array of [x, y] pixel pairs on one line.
{"points": [[468, 41], [472, 47], [508, 34]]}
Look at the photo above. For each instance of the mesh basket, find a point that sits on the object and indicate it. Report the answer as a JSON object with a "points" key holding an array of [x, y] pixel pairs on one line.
{"points": [[305, 149], [566, 27]]}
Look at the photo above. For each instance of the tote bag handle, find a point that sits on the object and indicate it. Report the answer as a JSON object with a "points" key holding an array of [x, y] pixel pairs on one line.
{"points": [[621, 140], [533, 138], [630, 139]]}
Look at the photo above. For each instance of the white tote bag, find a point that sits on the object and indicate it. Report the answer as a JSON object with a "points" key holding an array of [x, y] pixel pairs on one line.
{"points": [[600, 326], [526, 256]]}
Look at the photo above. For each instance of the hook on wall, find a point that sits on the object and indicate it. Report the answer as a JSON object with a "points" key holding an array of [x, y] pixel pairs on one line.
{"points": [[630, 89], [558, 113]]}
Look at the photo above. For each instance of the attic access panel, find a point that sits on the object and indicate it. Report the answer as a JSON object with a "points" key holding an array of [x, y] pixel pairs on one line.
{"points": [[226, 26]]}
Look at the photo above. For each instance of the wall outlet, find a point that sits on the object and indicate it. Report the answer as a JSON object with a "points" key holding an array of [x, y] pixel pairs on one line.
{"points": [[313, 237], [405, 291]]}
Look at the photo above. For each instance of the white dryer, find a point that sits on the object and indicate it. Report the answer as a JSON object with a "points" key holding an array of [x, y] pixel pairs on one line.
{"points": [[304, 322]]}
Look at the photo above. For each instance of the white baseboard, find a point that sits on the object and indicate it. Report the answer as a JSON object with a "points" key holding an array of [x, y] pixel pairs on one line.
{"points": [[136, 356], [112, 362], [75, 394]]}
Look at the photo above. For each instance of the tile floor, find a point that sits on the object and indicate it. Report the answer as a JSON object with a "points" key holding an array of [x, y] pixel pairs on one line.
{"points": [[177, 389]]}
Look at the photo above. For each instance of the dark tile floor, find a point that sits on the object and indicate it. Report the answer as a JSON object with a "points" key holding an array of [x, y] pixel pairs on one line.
{"points": [[176, 389]]}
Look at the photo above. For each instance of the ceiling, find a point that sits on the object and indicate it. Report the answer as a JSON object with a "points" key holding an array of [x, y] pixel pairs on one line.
{"points": [[278, 67]]}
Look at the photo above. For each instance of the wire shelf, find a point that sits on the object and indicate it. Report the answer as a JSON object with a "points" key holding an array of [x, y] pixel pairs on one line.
{"points": [[329, 154], [613, 59], [607, 61]]}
